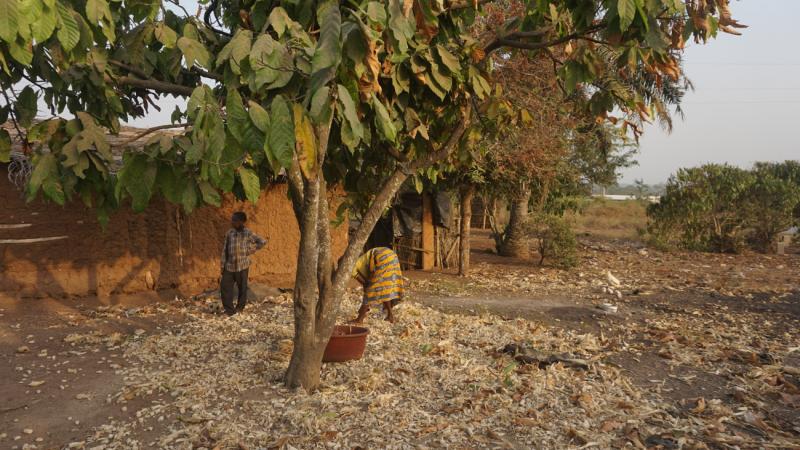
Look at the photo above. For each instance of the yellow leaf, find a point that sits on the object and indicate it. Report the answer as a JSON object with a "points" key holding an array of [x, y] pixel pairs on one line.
{"points": [[407, 6], [700, 406], [368, 83], [305, 142]]}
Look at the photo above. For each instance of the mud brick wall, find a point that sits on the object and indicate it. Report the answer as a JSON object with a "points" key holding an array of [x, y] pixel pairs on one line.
{"points": [[159, 249]]}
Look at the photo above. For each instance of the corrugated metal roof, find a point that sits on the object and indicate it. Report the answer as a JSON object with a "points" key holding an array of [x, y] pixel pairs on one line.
{"points": [[118, 142]]}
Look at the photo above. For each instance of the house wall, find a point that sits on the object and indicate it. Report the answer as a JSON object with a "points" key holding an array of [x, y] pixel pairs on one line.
{"points": [[159, 249]]}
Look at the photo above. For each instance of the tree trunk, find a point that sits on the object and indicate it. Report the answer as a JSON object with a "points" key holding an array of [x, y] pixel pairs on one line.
{"points": [[312, 293], [467, 194], [515, 243], [317, 292]]}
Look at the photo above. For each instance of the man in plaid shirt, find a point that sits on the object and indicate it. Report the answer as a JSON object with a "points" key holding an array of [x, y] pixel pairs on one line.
{"points": [[240, 243]]}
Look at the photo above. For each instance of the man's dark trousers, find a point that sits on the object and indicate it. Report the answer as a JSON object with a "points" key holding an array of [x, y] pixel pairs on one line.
{"points": [[229, 279]]}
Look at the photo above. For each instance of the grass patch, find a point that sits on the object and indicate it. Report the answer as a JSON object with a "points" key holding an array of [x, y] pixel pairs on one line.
{"points": [[612, 219]]}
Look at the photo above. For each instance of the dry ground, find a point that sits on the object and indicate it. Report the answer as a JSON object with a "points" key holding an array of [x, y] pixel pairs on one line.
{"points": [[703, 352], [688, 326], [608, 219]]}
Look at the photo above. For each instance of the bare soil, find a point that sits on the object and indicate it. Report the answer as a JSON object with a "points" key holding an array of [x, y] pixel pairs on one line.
{"points": [[726, 323]]}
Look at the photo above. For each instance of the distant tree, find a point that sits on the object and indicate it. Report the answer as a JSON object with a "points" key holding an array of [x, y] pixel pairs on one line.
{"points": [[721, 208], [773, 202], [642, 190]]}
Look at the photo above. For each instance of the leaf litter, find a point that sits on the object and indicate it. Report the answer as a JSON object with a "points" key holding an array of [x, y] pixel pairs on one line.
{"points": [[433, 380]]}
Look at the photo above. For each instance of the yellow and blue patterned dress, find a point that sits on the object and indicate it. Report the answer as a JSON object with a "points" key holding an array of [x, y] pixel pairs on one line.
{"points": [[379, 271]]}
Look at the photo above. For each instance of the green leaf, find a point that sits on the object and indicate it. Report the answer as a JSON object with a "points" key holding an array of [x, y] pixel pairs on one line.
{"points": [[250, 183], [305, 142], [44, 167], [350, 113], [260, 62], [450, 61], [239, 123], [168, 181], [259, 116], [279, 20], [4, 64], [376, 12], [95, 10], [5, 146], [240, 45], [440, 82], [194, 52], [283, 62], [321, 106], [271, 63], [236, 50], [9, 20], [210, 195], [45, 23], [21, 51], [627, 12], [281, 135], [137, 177], [189, 196], [26, 106], [68, 32], [99, 14], [54, 190], [401, 27], [401, 79], [328, 52], [166, 35], [385, 124]]}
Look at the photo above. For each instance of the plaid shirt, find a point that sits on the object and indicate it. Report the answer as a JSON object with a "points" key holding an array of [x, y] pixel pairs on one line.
{"points": [[239, 245]]}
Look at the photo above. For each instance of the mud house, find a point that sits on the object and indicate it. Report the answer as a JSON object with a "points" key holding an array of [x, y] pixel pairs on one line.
{"points": [[51, 251]]}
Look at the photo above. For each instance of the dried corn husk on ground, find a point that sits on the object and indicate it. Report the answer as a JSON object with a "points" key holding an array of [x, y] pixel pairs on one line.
{"points": [[433, 380]]}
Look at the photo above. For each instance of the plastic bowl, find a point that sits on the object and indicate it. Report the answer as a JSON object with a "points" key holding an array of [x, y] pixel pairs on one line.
{"points": [[346, 344]]}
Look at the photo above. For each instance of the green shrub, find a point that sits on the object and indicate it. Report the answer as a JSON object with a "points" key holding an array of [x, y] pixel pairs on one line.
{"points": [[555, 238], [721, 208], [771, 205]]}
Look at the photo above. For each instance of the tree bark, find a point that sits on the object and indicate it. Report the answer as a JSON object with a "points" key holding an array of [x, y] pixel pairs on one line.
{"points": [[515, 243], [303, 368], [311, 287], [467, 194]]}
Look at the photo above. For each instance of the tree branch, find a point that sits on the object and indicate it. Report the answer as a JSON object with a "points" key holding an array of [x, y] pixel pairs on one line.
{"points": [[394, 153], [512, 43], [384, 198], [203, 73], [134, 70], [207, 19], [155, 85], [295, 179]]}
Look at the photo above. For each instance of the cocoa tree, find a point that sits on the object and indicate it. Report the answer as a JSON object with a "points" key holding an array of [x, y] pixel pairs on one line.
{"points": [[322, 92]]}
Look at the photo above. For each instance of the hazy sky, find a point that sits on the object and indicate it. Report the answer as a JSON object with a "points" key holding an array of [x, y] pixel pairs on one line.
{"points": [[743, 109], [745, 104]]}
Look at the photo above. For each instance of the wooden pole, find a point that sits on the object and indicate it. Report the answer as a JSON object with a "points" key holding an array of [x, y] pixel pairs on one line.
{"points": [[427, 233]]}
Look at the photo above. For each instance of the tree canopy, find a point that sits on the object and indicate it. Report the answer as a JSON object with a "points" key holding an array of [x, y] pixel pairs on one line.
{"points": [[361, 94]]}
